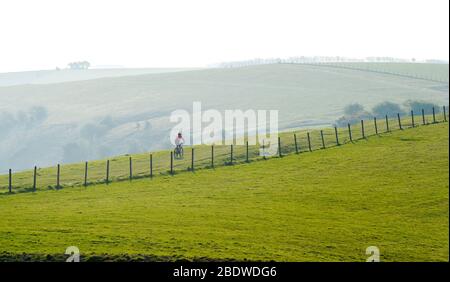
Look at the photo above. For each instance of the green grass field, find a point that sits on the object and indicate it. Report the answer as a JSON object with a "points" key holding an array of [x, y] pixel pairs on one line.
{"points": [[389, 191]]}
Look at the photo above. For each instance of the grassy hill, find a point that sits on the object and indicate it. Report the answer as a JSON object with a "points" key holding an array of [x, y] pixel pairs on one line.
{"points": [[389, 191], [297, 91], [66, 75], [132, 112]]}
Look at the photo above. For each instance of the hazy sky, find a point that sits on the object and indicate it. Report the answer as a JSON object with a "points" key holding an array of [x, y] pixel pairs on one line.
{"points": [[188, 33]]}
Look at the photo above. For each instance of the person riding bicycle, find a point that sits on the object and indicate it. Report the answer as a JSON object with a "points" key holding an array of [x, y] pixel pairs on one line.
{"points": [[179, 141]]}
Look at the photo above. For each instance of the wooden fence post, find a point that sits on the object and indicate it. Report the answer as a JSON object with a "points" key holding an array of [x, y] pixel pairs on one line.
{"points": [[246, 153], [295, 142], [412, 118], [34, 178], [434, 116], [264, 151], [350, 132], [323, 139], [58, 170], [387, 123], [399, 121], [423, 117], [362, 130], [337, 137], [445, 114], [171, 162], [279, 147], [107, 172], [212, 156], [131, 169], [10, 181], [376, 126], [309, 141], [231, 154], [151, 165], [192, 160], [85, 173]]}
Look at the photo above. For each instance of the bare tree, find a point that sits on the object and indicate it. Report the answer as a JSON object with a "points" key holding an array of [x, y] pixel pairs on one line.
{"points": [[79, 65]]}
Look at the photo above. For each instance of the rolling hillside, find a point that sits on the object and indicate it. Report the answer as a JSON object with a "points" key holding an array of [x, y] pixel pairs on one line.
{"points": [[389, 191], [99, 118], [67, 75]]}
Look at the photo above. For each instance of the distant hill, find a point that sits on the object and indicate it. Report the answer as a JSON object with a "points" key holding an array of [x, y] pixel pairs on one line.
{"points": [[66, 75], [97, 118]]}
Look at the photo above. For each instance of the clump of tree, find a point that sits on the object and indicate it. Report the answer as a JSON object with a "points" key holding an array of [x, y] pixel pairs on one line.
{"points": [[387, 108], [93, 131], [95, 141], [427, 107], [22, 119], [83, 65], [353, 113], [92, 142]]}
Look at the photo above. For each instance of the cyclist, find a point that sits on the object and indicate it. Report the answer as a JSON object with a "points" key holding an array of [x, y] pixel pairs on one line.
{"points": [[179, 141]]}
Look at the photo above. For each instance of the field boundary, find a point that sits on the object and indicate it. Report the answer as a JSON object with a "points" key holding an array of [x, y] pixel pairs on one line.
{"points": [[349, 67]]}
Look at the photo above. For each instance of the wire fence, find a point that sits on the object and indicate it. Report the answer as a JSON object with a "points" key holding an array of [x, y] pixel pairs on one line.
{"points": [[195, 158], [382, 68]]}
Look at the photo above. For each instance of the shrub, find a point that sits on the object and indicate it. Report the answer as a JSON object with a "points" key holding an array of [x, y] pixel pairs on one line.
{"points": [[387, 108], [417, 107]]}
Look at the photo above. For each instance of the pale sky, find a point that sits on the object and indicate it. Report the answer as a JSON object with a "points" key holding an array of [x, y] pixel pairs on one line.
{"points": [[194, 33]]}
